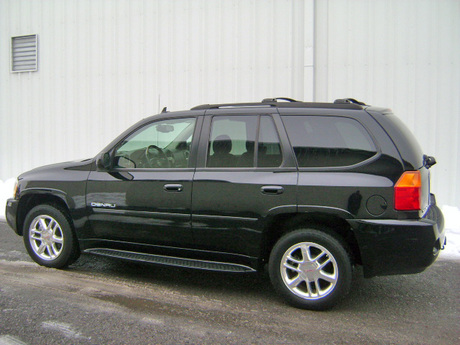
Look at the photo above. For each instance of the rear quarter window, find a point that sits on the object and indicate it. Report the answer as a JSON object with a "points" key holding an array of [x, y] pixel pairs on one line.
{"points": [[328, 141], [406, 143]]}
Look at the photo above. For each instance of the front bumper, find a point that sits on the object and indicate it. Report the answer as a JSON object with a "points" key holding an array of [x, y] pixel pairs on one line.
{"points": [[399, 246], [11, 211]]}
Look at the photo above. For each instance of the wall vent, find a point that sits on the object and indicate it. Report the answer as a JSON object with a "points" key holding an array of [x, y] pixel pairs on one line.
{"points": [[24, 53]]}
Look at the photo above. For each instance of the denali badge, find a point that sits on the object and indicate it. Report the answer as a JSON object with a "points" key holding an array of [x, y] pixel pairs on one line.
{"points": [[103, 204]]}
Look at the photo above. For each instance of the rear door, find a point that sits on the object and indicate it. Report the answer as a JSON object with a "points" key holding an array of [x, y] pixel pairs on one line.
{"points": [[244, 175]]}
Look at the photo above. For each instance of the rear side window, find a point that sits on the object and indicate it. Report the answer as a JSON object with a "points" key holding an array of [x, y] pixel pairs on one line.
{"points": [[244, 142], [269, 149], [328, 141]]}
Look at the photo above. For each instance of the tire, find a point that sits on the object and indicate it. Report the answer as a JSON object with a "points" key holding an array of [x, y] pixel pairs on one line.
{"points": [[311, 269], [49, 237]]}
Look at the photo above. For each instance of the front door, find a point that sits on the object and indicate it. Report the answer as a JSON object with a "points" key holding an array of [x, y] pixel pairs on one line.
{"points": [[146, 196]]}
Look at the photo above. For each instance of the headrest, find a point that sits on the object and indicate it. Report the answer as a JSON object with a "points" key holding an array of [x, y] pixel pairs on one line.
{"points": [[222, 144]]}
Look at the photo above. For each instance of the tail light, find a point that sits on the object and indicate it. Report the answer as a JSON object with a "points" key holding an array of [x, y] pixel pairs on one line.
{"points": [[408, 191]]}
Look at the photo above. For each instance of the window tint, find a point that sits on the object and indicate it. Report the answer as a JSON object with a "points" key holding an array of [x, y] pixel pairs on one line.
{"points": [[233, 142], [162, 144], [269, 153], [321, 141]]}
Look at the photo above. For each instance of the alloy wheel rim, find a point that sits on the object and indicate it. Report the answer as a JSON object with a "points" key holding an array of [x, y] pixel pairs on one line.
{"points": [[309, 270], [46, 237]]}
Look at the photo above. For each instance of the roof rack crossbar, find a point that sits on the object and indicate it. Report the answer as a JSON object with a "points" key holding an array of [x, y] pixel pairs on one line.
{"points": [[269, 100], [348, 101]]}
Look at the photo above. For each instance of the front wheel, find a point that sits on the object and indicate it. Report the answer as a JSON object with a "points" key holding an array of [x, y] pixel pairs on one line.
{"points": [[49, 238], [311, 269]]}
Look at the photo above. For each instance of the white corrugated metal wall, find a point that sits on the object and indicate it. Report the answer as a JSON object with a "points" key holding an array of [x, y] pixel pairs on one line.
{"points": [[105, 64], [401, 54]]}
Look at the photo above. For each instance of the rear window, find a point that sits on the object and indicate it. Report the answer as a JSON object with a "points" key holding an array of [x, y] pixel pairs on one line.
{"points": [[328, 141]]}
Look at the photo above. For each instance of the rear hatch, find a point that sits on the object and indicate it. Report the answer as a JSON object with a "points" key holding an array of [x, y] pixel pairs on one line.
{"points": [[411, 153]]}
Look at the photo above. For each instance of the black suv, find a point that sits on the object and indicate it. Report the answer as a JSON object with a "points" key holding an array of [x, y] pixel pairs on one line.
{"points": [[310, 189]]}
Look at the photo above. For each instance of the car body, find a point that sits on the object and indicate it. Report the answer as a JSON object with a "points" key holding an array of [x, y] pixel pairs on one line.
{"points": [[310, 189]]}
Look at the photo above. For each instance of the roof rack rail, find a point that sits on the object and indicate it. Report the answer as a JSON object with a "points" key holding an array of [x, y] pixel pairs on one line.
{"points": [[232, 105], [348, 101]]}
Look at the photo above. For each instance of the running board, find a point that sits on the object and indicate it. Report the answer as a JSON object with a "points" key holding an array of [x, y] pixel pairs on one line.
{"points": [[171, 260]]}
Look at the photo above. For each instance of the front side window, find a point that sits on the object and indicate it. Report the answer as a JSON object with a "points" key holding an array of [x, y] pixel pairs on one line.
{"points": [[161, 144], [328, 141], [244, 142]]}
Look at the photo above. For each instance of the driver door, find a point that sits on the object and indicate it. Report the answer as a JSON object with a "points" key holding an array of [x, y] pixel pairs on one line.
{"points": [[145, 197]]}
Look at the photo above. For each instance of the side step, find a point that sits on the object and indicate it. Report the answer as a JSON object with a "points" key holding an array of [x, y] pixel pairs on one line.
{"points": [[171, 260]]}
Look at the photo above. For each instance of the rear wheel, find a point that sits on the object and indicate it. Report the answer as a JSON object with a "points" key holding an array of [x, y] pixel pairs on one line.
{"points": [[49, 238], [311, 269]]}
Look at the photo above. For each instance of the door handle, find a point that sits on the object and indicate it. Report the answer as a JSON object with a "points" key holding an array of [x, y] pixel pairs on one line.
{"points": [[272, 190], [173, 187]]}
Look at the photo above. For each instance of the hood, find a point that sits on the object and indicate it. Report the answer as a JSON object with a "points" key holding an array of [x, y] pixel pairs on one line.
{"points": [[53, 169]]}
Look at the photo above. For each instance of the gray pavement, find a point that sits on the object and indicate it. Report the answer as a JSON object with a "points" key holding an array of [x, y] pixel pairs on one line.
{"points": [[104, 301]]}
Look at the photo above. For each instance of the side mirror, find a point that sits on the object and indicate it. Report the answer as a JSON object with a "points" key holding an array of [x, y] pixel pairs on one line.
{"points": [[182, 146], [104, 161]]}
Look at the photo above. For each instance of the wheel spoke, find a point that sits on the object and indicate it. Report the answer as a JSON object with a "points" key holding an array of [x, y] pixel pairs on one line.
{"points": [[295, 282], [36, 235], [41, 248], [311, 293], [292, 267], [59, 240], [49, 251], [42, 224], [331, 278], [53, 252], [322, 265], [306, 254], [290, 258], [319, 256], [54, 226]]}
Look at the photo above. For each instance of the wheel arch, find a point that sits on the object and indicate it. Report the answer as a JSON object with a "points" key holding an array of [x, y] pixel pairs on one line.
{"points": [[30, 200], [281, 224]]}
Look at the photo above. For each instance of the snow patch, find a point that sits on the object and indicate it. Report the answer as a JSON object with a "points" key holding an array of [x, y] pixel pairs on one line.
{"points": [[10, 340], [452, 225], [64, 328], [6, 192]]}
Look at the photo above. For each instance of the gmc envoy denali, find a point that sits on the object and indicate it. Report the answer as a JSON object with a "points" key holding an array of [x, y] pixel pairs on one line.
{"points": [[308, 190]]}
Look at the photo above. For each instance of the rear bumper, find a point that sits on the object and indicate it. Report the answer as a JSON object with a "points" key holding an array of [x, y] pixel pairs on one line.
{"points": [[11, 212], [399, 246]]}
